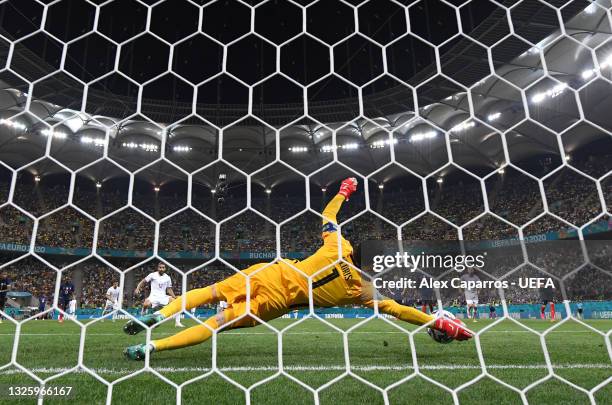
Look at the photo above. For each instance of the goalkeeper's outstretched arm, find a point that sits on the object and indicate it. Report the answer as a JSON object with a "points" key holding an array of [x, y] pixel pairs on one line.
{"points": [[332, 208]]}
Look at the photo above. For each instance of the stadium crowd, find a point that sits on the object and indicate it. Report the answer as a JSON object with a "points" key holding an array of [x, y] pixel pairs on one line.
{"points": [[511, 196]]}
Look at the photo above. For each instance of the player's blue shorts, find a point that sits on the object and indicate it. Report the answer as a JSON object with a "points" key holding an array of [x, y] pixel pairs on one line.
{"points": [[64, 303]]}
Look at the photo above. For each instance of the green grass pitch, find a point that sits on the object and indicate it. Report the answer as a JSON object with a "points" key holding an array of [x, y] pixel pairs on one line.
{"points": [[314, 353]]}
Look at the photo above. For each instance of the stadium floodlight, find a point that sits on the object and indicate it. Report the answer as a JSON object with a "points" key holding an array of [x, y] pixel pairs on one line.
{"points": [[568, 158], [382, 143], [557, 89], [538, 98], [323, 189], [12, 124], [147, 147], [37, 178], [181, 148], [588, 73], [52, 133], [268, 191], [87, 140], [381, 186], [327, 148], [553, 92], [463, 126], [422, 136], [501, 170], [493, 116], [440, 180], [213, 191], [298, 149], [98, 184], [350, 146], [156, 189]]}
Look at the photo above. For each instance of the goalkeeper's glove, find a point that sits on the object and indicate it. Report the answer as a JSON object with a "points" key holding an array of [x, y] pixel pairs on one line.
{"points": [[348, 187], [454, 328]]}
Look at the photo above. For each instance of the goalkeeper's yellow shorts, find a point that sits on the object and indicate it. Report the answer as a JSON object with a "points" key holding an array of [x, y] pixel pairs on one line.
{"points": [[271, 289]]}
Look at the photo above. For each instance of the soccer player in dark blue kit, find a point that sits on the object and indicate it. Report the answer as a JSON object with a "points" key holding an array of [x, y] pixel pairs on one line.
{"points": [[66, 292], [42, 304], [5, 286]]}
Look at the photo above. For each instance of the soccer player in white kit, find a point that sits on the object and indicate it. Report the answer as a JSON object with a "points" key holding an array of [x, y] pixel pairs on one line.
{"points": [[72, 309], [161, 293], [112, 299], [221, 306], [471, 294]]}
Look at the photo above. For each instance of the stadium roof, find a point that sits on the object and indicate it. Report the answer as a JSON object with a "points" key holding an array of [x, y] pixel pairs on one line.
{"points": [[361, 143]]}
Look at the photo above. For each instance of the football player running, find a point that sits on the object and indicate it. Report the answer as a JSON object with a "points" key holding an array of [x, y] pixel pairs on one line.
{"points": [[112, 299], [161, 293]]}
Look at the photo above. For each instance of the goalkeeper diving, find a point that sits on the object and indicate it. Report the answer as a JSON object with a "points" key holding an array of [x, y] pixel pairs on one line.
{"points": [[278, 288]]}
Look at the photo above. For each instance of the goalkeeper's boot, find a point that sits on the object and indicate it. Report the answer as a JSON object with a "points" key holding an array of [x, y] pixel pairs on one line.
{"points": [[454, 328], [132, 327], [136, 352], [348, 187]]}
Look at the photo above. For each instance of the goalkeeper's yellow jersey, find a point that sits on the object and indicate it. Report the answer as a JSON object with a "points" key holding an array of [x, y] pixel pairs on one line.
{"points": [[335, 282], [280, 286]]}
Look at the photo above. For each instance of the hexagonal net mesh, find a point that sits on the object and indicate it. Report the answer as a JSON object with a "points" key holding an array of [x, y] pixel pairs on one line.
{"points": [[209, 136]]}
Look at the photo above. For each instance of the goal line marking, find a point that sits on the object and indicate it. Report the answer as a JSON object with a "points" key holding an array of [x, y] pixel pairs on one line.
{"points": [[45, 370]]}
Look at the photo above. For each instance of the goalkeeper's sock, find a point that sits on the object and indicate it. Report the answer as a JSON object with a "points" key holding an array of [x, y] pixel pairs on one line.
{"points": [[542, 309], [552, 311], [424, 308], [404, 313], [193, 298]]}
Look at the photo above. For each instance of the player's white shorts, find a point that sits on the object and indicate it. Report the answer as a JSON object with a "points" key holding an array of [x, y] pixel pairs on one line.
{"points": [[110, 305], [159, 300], [472, 302]]}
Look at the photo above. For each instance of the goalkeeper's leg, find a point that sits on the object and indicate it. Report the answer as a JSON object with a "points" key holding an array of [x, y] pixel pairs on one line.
{"points": [[200, 333], [193, 299], [189, 337], [232, 289], [264, 308]]}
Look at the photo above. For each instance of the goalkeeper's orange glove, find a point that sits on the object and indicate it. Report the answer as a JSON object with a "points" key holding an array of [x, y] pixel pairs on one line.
{"points": [[454, 328], [348, 187]]}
